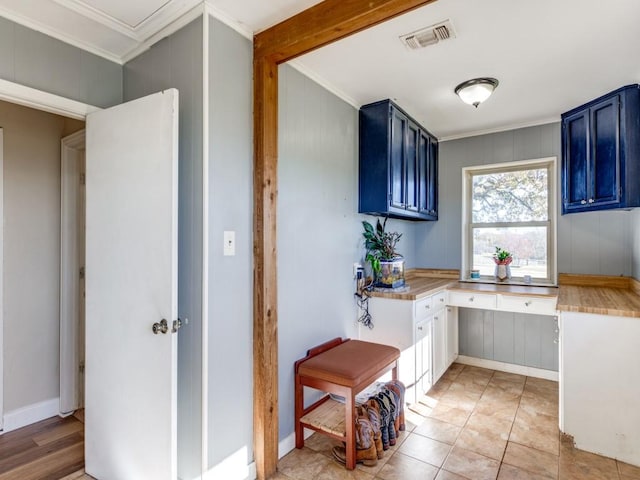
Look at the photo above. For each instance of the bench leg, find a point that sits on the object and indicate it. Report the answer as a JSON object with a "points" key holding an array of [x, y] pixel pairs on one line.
{"points": [[350, 423], [299, 407]]}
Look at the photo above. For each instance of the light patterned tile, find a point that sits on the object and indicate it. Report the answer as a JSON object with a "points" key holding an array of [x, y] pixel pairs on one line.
{"points": [[577, 465], [403, 467], [471, 465], [450, 414], [628, 472], [425, 449], [536, 431], [438, 430], [509, 472], [303, 464], [445, 475], [532, 460]]}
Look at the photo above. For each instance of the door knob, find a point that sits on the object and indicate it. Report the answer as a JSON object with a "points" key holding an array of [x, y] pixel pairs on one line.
{"points": [[161, 327], [176, 325]]}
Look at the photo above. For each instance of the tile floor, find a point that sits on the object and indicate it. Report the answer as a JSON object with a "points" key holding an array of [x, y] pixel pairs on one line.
{"points": [[474, 424]]}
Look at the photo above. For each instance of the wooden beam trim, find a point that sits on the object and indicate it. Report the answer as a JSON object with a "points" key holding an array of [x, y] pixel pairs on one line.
{"points": [[325, 23], [265, 324]]}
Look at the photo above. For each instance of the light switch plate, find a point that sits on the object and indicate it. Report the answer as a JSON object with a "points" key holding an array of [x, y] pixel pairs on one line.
{"points": [[229, 248]]}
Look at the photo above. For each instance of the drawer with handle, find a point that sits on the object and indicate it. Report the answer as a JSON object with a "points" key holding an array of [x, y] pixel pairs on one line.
{"points": [[527, 304], [424, 308], [472, 300]]}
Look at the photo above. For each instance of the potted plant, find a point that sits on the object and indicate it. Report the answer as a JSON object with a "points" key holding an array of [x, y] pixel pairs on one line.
{"points": [[502, 259], [387, 264]]}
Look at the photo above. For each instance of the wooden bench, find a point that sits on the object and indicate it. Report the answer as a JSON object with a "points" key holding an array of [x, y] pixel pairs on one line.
{"points": [[344, 368]]}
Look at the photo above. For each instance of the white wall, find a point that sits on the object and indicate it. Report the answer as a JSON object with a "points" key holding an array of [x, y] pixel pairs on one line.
{"points": [[31, 253]]}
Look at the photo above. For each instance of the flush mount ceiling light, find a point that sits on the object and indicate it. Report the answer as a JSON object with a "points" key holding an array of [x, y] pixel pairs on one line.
{"points": [[476, 91]]}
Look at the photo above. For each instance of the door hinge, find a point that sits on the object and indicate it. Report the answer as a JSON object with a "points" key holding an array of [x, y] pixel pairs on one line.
{"points": [[81, 273], [81, 367], [83, 179]]}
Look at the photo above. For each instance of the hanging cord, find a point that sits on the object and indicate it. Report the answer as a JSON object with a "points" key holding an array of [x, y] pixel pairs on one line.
{"points": [[362, 300]]}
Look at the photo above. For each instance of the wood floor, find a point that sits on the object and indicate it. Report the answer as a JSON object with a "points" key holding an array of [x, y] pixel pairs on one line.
{"points": [[52, 449]]}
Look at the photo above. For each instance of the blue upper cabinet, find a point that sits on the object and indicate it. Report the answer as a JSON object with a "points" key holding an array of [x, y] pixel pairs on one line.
{"points": [[398, 164], [601, 153]]}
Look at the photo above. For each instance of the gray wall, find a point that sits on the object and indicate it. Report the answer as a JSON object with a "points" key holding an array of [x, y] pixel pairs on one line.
{"points": [[176, 61], [319, 229], [594, 243], [36, 60], [231, 277], [31, 251]]}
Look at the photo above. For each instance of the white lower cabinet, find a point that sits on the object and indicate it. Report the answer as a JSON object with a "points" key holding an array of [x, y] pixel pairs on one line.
{"points": [[425, 331], [423, 336], [439, 344], [451, 335]]}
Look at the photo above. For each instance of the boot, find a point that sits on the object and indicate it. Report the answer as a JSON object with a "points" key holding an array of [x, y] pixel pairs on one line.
{"points": [[368, 457], [374, 417]]}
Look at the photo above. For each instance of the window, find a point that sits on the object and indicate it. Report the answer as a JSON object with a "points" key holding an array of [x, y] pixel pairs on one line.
{"points": [[511, 206]]}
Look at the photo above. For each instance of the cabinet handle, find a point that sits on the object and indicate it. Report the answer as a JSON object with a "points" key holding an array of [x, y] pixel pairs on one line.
{"points": [[471, 299], [441, 299], [583, 202], [420, 328], [591, 200], [526, 304], [427, 306]]}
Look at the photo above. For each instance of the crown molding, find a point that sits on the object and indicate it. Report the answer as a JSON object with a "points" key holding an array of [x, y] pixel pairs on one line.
{"points": [[159, 19], [57, 34], [169, 29], [503, 128], [229, 21]]}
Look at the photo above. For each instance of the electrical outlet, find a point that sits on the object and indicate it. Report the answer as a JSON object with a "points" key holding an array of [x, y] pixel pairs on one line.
{"points": [[356, 267]]}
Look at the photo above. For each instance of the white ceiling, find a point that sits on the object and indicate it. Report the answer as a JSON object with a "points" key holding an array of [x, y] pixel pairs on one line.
{"points": [[549, 55]]}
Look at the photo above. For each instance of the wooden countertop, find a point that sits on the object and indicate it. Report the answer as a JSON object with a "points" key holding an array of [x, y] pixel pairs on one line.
{"points": [[617, 296], [421, 283], [599, 294]]}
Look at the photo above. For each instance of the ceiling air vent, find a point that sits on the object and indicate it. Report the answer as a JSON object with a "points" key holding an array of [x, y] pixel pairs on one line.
{"points": [[429, 36]]}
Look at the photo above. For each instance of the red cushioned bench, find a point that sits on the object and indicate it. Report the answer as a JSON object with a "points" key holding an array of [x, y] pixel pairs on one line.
{"points": [[344, 368]]}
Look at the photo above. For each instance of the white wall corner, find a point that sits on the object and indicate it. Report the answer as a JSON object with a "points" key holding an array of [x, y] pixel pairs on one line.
{"points": [[30, 414]]}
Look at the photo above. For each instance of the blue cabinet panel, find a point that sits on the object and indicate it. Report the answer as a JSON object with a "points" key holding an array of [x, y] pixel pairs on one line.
{"points": [[601, 153], [398, 164]]}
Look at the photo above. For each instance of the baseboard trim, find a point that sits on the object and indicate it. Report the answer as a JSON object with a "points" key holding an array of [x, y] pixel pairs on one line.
{"points": [[24, 416], [508, 367], [287, 444]]}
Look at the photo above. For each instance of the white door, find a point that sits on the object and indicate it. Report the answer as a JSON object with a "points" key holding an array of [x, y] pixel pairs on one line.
{"points": [[131, 283]]}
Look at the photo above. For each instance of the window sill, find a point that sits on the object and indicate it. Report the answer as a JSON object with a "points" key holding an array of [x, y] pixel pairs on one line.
{"points": [[513, 281]]}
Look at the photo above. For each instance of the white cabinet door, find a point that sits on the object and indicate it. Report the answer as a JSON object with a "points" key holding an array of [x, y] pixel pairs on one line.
{"points": [[423, 337], [451, 323], [439, 345]]}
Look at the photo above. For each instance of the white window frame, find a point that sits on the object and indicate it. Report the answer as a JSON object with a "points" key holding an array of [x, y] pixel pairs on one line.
{"points": [[552, 242]]}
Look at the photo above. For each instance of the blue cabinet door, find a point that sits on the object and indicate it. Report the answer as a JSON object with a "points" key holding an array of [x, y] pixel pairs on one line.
{"points": [[601, 153], [428, 176], [575, 161], [413, 182], [398, 160], [605, 152]]}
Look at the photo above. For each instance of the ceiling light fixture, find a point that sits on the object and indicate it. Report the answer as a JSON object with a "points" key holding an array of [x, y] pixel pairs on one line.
{"points": [[476, 91]]}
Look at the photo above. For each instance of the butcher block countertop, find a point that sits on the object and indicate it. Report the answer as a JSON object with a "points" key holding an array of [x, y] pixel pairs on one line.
{"points": [[424, 282], [617, 296], [599, 294]]}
